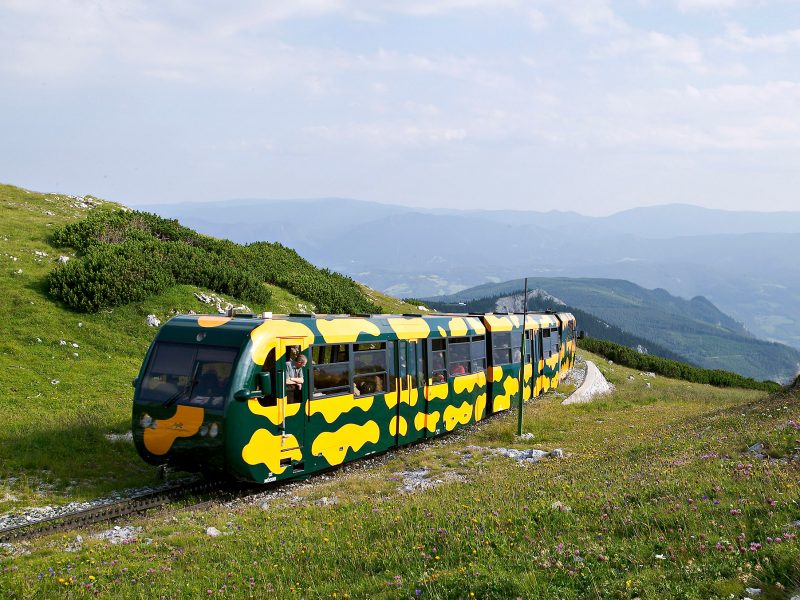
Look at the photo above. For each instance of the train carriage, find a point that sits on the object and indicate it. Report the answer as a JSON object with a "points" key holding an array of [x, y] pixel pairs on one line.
{"points": [[212, 394]]}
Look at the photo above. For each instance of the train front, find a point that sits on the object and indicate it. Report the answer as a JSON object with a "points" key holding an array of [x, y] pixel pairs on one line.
{"points": [[184, 388]]}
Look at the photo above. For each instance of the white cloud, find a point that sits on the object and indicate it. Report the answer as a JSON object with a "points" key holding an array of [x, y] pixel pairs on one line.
{"points": [[701, 5], [737, 39], [656, 47]]}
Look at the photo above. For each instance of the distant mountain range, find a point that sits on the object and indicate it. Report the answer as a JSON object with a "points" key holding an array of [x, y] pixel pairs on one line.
{"points": [[746, 263], [693, 330]]}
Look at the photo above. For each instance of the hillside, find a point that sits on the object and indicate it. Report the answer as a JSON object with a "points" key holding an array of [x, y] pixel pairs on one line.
{"points": [[65, 374], [693, 330]]}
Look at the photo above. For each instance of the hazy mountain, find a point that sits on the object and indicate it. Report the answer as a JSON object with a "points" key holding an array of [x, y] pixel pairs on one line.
{"points": [[744, 262], [695, 330]]}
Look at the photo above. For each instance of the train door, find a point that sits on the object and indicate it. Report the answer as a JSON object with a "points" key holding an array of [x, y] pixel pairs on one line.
{"points": [[411, 392], [294, 400], [539, 363]]}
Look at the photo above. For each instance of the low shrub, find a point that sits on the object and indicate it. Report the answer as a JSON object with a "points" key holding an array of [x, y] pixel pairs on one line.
{"points": [[629, 357], [129, 255]]}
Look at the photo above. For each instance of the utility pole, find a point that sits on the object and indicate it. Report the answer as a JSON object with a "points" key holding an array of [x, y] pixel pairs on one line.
{"points": [[522, 366]]}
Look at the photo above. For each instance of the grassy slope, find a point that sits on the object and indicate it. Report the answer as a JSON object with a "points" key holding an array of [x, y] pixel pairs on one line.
{"points": [[44, 422], [660, 497]]}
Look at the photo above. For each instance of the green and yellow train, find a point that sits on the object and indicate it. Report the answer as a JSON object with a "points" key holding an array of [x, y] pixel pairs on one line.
{"points": [[212, 394]]}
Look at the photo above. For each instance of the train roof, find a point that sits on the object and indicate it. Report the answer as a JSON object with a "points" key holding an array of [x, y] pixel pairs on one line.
{"points": [[232, 330]]}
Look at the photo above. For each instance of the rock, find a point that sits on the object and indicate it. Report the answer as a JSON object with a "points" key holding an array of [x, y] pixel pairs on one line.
{"points": [[38, 340], [631, 377], [557, 453], [529, 455], [62, 343], [74, 345], [55, 381], [63, 259], [560, 506], [213, 532], [753, 591], [120, 437], [80, 323], [526, 437], [593, 385], [647, 385], [757, 451], [648, 374], [119, 535], [39, 253], [153, 321]]}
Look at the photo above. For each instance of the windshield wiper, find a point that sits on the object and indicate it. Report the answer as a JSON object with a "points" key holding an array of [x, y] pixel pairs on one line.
{"points": [[186, 390], [177, 395]]}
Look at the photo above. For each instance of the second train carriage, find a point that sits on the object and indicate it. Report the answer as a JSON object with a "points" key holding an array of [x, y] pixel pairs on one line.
{"points": [[212, 392]]}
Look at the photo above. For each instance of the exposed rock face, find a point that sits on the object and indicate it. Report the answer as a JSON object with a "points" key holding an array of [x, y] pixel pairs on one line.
{"points": [[153, 321], [594, 384]]}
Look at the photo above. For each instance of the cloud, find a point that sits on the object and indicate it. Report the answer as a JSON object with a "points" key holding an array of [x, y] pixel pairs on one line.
{"points": [[701, 5], [737, 39], [657, 47]]}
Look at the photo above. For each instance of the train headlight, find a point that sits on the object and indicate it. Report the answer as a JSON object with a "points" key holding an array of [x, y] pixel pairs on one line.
{"points": [[203, 431], [146, 420], [213, 431]]}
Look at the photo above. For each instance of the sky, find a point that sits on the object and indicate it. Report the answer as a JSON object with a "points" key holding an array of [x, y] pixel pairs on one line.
{"points": [[594, 106]]}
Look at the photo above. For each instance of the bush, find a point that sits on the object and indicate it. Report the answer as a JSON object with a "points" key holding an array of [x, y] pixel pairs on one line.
{"points": [[629, 357], [130, 255]]}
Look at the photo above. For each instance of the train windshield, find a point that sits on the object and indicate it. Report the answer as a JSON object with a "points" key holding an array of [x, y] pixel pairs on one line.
{"points": [[188, 374]]}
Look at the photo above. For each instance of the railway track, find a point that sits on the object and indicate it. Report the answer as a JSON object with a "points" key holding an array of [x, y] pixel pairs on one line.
{"points": [[192, 494]]}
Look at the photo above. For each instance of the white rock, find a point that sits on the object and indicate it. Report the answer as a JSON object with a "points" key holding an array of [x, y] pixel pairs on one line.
{"points": [[526, 437], [62, 343], [74, 345], [153, 321], [753, 591], [557, 453], [75, 354], [38, 340], [55, 381], [213, 532], [39, 253], [62, 259], [80, 323]]}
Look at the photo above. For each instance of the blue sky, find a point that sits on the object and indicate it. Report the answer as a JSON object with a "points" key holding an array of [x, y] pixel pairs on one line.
{"points": [[586, 105]]}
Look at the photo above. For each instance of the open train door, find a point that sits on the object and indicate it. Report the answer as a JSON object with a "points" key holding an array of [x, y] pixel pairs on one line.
{"points": [[293, 401]]}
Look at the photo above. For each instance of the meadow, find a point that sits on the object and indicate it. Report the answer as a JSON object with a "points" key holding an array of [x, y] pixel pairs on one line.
{"points": [[656, 497]]}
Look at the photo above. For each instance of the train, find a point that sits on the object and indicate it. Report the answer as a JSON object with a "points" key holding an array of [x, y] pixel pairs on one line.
{"points": [[263, 398]]}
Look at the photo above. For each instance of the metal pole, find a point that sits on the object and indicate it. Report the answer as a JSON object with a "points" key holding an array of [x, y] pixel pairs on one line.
{"points": [[522, 366]]}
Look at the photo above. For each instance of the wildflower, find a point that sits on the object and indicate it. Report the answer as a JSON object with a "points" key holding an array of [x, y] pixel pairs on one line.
{"points": [[628, 584]]}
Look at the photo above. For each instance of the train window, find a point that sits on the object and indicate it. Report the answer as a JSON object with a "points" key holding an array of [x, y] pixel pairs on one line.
{"points": [[501, 348], [478, 353], [331, 369], [438, 361], [269, 398], [371, 373], [392, 372], [528, 348], [458, 356], [188, 374]]}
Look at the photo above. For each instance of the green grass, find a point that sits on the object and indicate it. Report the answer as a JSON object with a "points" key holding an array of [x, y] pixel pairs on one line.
{"points": [[662, 502]]}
